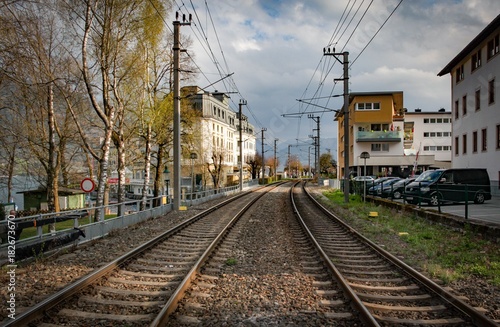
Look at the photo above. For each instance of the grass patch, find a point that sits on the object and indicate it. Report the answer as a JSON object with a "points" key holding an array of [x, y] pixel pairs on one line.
{"points": [[231, 262], [441, 252]]}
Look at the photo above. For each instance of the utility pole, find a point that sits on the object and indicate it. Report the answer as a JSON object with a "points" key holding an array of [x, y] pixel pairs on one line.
{"points": [[316, 143], [289, 172], [177, 111], [263, 161], [240, 163], [275, 171], [345, 111], [309, 159]]}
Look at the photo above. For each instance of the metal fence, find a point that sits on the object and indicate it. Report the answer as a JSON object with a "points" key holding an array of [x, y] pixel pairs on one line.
{"points": [[53, 229], [436, 195]]}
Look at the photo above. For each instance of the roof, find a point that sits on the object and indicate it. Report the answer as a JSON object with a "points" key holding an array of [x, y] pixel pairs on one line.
{"points": [[355, 94], [62, 191], [428, 113], [487, 31]]}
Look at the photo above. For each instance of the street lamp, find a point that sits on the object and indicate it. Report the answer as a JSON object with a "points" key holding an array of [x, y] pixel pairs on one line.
{"points": [[364, 155], [166, 178]]}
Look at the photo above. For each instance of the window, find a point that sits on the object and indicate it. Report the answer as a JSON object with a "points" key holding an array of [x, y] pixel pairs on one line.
{"points": [[491, 91], [464, 105], [483, 139], [456, 109], [478, 100], [476, 60], [493, 45], [464, 144], [439, 120], [474, 141], [426, 120], [368, 106], [498, 136], [459, 74], [456, 145], [380, 147]]}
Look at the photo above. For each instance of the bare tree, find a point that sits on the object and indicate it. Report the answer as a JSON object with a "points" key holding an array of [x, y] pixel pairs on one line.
{"points": [[36, 63]]}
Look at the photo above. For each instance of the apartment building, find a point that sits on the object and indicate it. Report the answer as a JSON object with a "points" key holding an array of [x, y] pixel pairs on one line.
{"points": [[218, 131], [475, 99], [429, 133], [376, 126]]}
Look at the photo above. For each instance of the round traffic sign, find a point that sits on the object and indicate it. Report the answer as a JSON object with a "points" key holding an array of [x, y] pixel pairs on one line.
{"points": [[87, 185]]}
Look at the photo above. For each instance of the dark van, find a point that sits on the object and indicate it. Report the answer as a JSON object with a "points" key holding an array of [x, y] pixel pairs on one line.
{"points": [[450, 185]]}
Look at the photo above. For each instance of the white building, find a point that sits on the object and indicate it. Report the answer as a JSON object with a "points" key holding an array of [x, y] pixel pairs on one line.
{"points": [[475, 98], [429, 133], [219, 133], [376, 128]]}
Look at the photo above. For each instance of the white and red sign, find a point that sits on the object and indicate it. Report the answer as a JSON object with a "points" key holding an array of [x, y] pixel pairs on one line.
{"points": [[87, 185]]}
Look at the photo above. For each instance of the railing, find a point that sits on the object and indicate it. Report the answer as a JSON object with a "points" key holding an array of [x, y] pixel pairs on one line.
{"points": [[436, 195], [37, 233], [366, 136]]}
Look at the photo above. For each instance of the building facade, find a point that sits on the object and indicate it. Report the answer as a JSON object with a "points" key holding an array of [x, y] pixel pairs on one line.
{"points": [[219, 139], [429, 133], [475, 100], [376, 127]]}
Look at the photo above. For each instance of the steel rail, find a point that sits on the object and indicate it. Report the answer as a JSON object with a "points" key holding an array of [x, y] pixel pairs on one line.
{"points": [[172, 303], [357, 304], [477, 317], [37, 310]]}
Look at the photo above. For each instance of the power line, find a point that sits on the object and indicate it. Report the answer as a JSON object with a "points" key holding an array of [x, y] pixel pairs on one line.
{"points": [[387, 19]]}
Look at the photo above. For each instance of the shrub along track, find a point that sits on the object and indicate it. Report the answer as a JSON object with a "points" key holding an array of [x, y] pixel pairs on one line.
{"points": [[394, 293], [132, 290]]}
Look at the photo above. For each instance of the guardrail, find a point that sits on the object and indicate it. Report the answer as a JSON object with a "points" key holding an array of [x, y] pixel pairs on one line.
{"points": [[437, 195], [42, 232]]}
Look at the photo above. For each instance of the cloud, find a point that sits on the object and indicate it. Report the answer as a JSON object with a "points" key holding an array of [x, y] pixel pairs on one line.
{"points": [[275, 49]]}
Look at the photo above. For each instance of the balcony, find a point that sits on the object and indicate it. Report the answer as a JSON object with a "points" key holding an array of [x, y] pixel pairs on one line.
{"points": [[379, 136]]}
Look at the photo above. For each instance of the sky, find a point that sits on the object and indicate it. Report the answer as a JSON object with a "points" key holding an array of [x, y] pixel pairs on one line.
{"points": [[275, 50]]}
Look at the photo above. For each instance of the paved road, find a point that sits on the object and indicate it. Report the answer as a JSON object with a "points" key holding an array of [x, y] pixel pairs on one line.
{"points": [[488, 211]]}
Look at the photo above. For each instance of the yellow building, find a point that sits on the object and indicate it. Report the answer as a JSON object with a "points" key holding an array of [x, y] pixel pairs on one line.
{"points": [[376, 127]]}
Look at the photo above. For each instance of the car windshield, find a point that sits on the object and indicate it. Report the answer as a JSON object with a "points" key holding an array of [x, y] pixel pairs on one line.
{"points": [[429, 176]]}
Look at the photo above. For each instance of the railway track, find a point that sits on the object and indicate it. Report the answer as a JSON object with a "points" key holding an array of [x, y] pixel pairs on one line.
{"points": [[258, 303], [143, 286], [391, 292]]}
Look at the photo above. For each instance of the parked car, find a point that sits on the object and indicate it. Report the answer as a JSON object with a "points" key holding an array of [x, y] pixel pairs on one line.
{"points": [[396, 190], [450, 185], [364, 178], [371, 186], [385, 185]]}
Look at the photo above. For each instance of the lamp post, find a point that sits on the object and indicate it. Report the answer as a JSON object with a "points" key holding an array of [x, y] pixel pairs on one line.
{"points": [[166, 178], [193, 156], [364, 155]]}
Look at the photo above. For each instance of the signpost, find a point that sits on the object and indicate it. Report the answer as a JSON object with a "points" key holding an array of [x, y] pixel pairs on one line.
{"points": [[364, 155], [87, 185]]}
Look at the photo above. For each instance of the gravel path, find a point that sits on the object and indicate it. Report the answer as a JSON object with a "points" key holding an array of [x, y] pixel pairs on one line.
{"points": [[265, 284]]}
